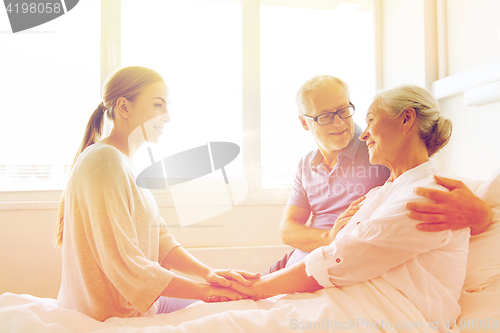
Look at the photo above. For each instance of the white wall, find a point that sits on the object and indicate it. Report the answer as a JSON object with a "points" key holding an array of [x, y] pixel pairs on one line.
{"points": [[473, 41], [29, 264], [473, 33], [408, 42], [415, 52]]}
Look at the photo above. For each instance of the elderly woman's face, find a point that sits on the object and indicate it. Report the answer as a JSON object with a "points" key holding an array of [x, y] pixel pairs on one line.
{"points": [[382, 136]]}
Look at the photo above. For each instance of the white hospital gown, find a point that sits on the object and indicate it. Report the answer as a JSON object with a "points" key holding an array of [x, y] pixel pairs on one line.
{"points": [[381, 240]]}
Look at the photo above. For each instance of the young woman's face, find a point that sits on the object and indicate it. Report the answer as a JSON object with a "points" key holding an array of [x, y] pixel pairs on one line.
{"points": [[149, 111]]}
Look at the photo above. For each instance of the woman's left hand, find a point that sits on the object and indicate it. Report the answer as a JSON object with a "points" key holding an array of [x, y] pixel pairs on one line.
{"points": [[223, 276], [345, 217]]}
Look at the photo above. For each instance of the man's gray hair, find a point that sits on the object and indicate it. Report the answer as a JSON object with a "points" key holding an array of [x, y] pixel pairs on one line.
{"points": [[319, 81]]}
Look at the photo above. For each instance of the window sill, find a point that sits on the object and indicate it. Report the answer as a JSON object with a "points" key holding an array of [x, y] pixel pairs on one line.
{"points": [[251, 200]]}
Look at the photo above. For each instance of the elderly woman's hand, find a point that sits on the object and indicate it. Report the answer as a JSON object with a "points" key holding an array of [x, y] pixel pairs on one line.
{"points": [[219, 294], [345, 217], [456, 209], [252, 291]]}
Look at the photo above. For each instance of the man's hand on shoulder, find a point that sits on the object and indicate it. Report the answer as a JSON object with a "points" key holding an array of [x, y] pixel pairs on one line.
{"points": [[456, 209]]}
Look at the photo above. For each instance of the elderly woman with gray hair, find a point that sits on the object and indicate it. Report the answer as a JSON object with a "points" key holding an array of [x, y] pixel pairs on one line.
{"points": [[380, 242]]}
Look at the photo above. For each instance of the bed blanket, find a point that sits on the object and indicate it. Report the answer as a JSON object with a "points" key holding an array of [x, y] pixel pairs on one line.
{"points": [[371, 306]]}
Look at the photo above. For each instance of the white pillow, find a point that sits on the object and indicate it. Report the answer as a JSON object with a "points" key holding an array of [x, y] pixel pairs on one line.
{"points": [[483, 264]]}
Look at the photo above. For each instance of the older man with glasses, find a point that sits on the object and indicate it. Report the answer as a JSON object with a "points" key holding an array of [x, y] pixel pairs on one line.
{"points": [[339, 173]]}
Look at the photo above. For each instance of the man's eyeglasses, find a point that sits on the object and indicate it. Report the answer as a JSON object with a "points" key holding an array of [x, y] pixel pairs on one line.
{"points": [[327, 118]]}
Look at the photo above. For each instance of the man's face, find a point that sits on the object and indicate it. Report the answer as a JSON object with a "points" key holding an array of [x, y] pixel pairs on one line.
{"points": [[336, 135]]}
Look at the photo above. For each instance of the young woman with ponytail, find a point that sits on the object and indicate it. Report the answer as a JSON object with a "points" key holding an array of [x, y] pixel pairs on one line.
{"points": [[116, 249]]}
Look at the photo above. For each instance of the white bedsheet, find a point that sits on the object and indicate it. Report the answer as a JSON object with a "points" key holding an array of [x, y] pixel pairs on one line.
{"points": [[372, 306], [480, 310]]}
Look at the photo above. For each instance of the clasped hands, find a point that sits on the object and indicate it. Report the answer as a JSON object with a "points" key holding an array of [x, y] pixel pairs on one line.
{"points": [[230, 285]]}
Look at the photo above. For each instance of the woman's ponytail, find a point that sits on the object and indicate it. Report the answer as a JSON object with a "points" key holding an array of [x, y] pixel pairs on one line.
{"points": [[93, 133]]}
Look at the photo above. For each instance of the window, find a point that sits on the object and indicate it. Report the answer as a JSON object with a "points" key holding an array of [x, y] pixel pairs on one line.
{"points": [[301, 39], [232, 67], [196, 47], [51, 74]]}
